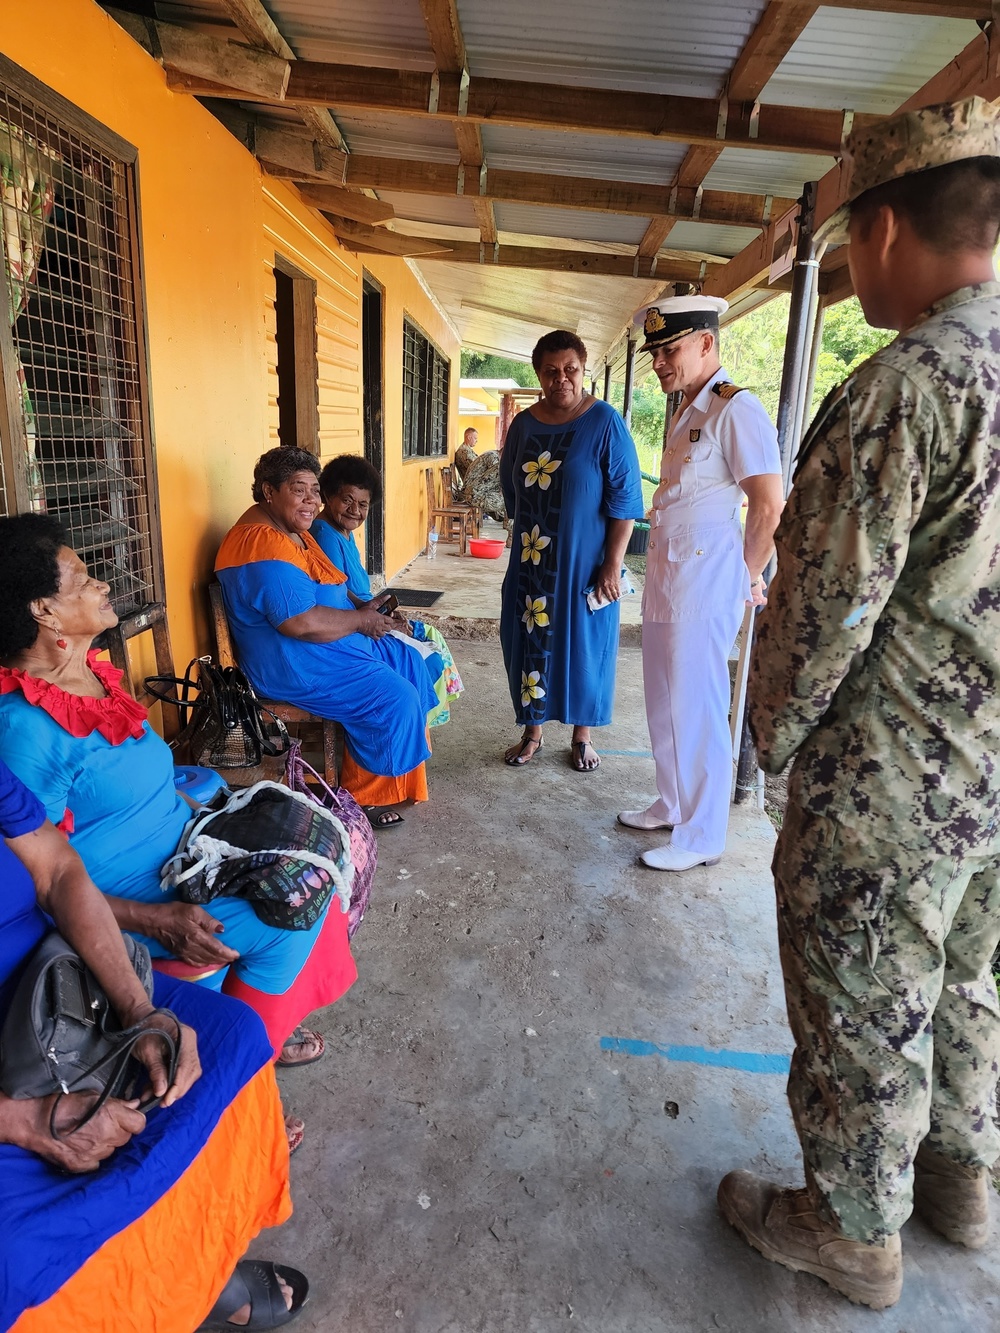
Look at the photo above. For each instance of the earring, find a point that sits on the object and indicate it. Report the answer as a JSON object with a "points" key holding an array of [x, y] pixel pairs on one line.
{"points": [[61, 643]]}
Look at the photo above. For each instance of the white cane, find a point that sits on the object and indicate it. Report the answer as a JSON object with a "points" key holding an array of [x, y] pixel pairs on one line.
{"points": [[740, 703]]}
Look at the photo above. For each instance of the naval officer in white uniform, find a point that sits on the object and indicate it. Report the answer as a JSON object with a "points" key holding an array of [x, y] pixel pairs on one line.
{"points": [[701, 571]]}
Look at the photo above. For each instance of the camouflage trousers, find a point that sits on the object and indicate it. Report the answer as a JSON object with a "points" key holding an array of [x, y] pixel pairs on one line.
{"points": [[886, 954]]}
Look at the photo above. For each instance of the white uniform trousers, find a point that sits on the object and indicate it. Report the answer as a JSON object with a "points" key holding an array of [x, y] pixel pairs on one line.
{"points": [[685, 671]]}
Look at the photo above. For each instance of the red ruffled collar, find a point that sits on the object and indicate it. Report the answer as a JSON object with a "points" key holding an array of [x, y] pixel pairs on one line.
{"points": [[117, 716]]}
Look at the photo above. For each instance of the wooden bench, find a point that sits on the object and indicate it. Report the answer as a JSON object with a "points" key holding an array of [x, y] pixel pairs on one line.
{"points": [[290, 714]]}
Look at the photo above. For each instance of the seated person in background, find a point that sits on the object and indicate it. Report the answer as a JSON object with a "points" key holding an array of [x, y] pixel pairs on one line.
{"points": [[302, 640], [133, 1245], [85, 748], [349, 486], [482, 487], [465, 456]]}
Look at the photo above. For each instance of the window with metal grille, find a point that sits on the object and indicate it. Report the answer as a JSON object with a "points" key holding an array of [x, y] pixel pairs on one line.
{"points": [[74, 425], [426, 374]]}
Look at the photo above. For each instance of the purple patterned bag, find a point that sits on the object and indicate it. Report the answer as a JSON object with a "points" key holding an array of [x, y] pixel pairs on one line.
{"points": [[364, 849]]}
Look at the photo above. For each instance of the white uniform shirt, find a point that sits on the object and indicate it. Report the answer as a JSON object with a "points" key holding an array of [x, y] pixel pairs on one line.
{"points": [[695, 568]]}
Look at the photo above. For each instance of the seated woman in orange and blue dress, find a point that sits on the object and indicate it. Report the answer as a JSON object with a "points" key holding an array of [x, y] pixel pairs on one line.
{"points": [[349, 485], [302, 640], [85, 748], [150, 1238]]}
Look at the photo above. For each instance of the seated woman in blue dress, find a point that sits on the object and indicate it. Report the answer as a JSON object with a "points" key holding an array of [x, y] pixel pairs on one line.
{"points": [[133, 1244], [302, 640], [85, 748], [349, 486]]}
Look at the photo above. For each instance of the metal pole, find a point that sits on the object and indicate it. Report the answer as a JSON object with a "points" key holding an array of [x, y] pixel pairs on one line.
{"points": [[794, 377], [817, 347], [607, 380], [629, 375]]}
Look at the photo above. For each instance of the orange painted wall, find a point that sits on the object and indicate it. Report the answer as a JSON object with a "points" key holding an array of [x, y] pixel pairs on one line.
{"points": [[211, 223]]}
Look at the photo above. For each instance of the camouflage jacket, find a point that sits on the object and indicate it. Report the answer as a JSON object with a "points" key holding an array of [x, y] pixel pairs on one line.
{"points": [[878, 657]]}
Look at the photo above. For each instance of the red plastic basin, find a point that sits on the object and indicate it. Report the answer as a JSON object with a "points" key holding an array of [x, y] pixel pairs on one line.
{"points": [[486, 548]]}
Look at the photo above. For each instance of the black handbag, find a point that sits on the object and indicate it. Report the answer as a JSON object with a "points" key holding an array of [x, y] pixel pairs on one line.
{"points": [[62, 1035], [223, 722]]}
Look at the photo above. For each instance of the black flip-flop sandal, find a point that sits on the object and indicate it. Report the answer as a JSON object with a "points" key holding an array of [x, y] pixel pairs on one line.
{"points": [[576, 761], [515, 760], [380, 818], [256, 1283]]}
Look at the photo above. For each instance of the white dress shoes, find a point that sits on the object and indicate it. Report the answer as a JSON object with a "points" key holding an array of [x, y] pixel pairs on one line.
{"points": [[672, 858], [641, 819]]}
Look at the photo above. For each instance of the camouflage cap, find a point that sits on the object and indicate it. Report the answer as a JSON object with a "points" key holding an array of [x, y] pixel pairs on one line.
{"points": [[909, 142]]}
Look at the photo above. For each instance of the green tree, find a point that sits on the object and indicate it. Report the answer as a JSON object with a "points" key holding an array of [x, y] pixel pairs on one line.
{"points": [[485, 366]]}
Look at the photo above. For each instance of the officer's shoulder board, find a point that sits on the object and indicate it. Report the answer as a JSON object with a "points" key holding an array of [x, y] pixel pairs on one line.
{"points": [[727, 391]]}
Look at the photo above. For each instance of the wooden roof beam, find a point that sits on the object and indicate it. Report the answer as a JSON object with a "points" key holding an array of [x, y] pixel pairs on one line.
{"points": [[969, 74], [585, 192], [448, 44], [540, 258], [766, 47], [257, 26], [445, 96], [777, 30]]}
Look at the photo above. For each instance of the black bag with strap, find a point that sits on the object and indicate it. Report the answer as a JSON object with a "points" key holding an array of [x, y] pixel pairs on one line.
{"points": [[222, 720], [62, 1035]]}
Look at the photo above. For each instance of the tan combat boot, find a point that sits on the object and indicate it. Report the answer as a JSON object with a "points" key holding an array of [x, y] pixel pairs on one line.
{"points": [[784, 1226], [951, 1198]]}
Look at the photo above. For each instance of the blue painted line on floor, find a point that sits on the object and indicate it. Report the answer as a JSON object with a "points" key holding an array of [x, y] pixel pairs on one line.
{"points": [[749, 1061], [632, 754]]}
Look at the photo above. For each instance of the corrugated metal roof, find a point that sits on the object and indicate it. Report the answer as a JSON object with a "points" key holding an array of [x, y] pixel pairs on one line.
{"points": [[759, 171], [384, 135], [483, 302], [575, 225], [685, 46], [708, 238], [448, 210], [383, 33], [865, 60], [652, 161], [860, 59]]}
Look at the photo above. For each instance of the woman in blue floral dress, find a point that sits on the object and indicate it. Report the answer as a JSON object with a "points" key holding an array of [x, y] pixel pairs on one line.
{"points": [[571, 484]]}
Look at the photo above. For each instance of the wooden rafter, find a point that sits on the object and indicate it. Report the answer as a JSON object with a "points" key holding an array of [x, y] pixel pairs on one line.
{"points": [[970, 73], [441, 95], [777, 29], [445, 33], [542, 258], [257, 26], [585, 192]]}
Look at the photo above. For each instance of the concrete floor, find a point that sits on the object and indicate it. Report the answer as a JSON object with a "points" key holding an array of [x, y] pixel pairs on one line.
{"points": [[515, 1129], [471, 586]]}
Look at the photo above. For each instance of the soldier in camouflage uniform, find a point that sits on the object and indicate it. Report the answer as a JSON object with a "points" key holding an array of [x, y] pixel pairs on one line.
{"points": [[877, 669]]}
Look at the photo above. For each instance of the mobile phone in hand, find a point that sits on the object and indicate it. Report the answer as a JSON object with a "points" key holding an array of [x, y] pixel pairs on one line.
{"points": [[389, 605]]}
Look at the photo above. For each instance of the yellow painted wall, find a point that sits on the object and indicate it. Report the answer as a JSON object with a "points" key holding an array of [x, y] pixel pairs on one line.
{"points": [[211, 223]]}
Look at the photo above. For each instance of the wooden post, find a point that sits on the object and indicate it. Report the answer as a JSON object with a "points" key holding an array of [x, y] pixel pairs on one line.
{"points": [[607, 381]]}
